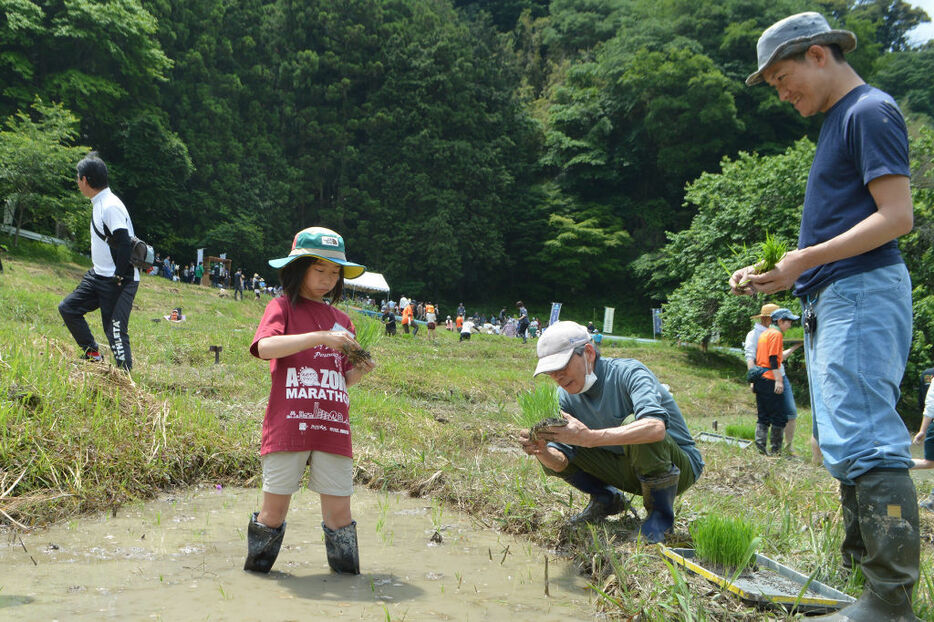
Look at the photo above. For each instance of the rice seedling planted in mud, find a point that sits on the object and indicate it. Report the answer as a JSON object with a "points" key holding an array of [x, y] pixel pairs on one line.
{"points": [[726, 542]]}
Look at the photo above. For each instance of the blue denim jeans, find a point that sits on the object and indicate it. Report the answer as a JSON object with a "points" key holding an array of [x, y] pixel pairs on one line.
{"points": [[855, 362]]}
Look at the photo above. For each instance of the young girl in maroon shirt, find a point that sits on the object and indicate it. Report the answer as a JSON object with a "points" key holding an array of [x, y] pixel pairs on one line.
{"points": [[306, 341]]}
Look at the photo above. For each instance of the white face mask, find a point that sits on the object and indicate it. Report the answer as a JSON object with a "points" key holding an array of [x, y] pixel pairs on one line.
{"points": [[589, 379]]}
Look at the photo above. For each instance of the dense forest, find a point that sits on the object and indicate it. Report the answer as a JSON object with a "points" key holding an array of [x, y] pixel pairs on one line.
{"points": [[466, 149]]}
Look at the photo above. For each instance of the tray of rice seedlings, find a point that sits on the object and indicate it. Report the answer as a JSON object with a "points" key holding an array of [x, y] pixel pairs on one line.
{"points": [[741, 430], [539, 409], [369, 332], [725, 554]]}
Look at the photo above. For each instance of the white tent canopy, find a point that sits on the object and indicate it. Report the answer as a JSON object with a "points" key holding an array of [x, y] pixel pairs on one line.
{"points": [[368, 282]]}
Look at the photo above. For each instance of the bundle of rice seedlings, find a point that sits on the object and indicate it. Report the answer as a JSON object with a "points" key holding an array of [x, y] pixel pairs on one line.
{"points": [[537, 404], [369, 332], [771, 252], [726, 542]]}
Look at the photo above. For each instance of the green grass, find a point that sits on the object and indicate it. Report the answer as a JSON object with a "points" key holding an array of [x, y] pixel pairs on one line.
{"points": [[435, 419]]}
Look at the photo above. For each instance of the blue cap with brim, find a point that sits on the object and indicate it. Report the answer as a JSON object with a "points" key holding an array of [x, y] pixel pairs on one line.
{"points": [[784, 314], [320, 243]]}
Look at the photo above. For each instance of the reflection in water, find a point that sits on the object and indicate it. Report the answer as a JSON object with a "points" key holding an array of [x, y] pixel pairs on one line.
{"points": [[181, 558]]}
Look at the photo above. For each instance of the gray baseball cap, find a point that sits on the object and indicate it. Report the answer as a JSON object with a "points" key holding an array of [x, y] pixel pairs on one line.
{"points": [[795, 34]]}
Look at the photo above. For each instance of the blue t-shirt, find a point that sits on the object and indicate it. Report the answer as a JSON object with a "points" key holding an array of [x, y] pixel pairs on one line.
{"points": [[863, 138], [626, 387]]}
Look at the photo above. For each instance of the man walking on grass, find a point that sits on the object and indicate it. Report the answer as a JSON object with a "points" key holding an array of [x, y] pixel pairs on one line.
{"points": [[856, 295], [112, 282]]}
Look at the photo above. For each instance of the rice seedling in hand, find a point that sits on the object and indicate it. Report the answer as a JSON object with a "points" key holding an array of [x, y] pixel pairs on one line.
{"points": [[539, 409], [771, 252], [369, 332], [726, 542]]}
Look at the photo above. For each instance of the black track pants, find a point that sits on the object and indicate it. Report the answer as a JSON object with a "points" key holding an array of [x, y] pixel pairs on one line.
{"points": [[114, 301]]}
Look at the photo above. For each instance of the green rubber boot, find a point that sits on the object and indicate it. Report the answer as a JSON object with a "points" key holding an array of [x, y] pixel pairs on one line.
{"points": [[887, 508]]}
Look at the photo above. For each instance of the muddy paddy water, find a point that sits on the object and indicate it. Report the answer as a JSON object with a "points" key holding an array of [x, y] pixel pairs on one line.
{"points": [[181, 558]]}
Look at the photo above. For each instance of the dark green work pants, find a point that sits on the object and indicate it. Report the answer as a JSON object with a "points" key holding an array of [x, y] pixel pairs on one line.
{"points": [[623, 470]]}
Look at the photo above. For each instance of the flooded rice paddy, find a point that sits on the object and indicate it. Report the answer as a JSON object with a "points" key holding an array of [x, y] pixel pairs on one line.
{"points": [[181, 558]]}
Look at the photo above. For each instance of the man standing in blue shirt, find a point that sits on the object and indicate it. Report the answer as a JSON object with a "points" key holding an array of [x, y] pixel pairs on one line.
{"points": [[597, 452], [856, 295]]}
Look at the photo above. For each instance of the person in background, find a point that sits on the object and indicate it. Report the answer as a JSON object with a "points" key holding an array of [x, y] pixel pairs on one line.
{"points": [[926, 435], [111, 283], [449, 324], [199, 272], [238, 284], [750, 346], [770, 386], [467, 328], [600, 452], [306, 341], [389, 319], [523, 325], [856, 294], [431, 320]]}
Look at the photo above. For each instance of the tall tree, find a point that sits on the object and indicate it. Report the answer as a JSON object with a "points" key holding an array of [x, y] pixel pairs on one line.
{"points": [[37, 159]]}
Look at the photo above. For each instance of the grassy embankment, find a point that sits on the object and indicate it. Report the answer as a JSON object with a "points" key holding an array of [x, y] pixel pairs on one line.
{"points": [[432, 419]]}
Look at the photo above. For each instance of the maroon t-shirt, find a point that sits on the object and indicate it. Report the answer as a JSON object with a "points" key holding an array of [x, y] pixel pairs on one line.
{"points": [[308, 403]]}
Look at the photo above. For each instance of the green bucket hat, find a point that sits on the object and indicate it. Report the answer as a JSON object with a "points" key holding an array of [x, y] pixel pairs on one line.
{"points": [[323, 244]]}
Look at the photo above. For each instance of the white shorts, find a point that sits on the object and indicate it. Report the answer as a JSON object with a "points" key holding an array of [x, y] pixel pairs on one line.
{"points": [[329, 474]]}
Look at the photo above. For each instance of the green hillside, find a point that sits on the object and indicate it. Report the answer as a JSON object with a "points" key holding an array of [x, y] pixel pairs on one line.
{"points": [[433, 419]]}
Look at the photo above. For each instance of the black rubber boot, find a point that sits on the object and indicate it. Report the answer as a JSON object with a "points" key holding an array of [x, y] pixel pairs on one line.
{"points": [[605, 500], [262, 545], [658, 496], [852, 549], [887, 506], [342, 549], [762, 434], [776, 437]]}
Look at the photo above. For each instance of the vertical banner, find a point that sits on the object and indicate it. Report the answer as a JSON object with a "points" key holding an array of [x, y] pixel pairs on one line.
{"points": [[200, 257], [223, 255], [656, 323], [555, 312], [608, 313]]}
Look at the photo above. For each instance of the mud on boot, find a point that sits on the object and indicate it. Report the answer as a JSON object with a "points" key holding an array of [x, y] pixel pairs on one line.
{"points": [[887, 511], [658, 497], [262, 545], [762, 435], [343, 552], [775, 440]]}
